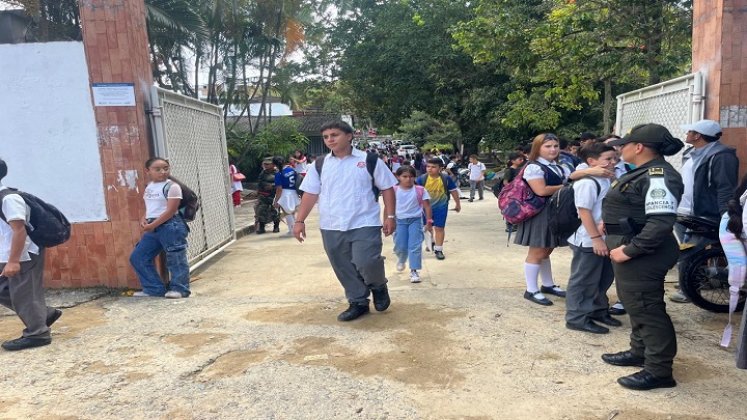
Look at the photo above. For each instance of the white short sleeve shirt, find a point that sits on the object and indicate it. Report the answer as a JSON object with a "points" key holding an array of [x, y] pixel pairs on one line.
{"points": [[586, 197], [534, 171], [408, 205], [346, 201], [155, 201], [14, 208], [475, 171]]}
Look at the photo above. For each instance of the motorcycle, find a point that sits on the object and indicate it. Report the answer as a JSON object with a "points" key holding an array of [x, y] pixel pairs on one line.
{"points": [[463, 178], [703, 269]]}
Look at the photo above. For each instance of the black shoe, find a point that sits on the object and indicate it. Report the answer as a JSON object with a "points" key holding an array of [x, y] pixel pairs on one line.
{"points": [[480, 198], [276, 228], [588, 326], [644, 381], [26, 343], [471, 200], [617, 311], [381, 298], [54, 316], [553, 290], [608, 320], [261, 229], [355, 310], [624, 358], [539, 300], [439, 255]]}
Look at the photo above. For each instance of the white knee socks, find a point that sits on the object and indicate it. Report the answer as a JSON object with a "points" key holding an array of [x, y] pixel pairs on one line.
{"points": [[531, 271], [290, 219], [546, 273]]}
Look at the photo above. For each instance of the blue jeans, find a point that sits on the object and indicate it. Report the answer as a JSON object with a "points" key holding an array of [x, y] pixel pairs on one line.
{"points": [[408, 241], [172, 238]]}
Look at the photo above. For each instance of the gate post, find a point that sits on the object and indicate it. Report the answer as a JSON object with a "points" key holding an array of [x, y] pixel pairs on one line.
{"points": [[720, 53]]}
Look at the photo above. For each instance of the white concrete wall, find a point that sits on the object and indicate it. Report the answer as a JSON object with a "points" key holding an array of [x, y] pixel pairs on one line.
{"points": [[47, 127]]}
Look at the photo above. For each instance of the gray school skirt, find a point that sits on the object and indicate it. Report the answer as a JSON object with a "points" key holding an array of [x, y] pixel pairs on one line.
{"points": [[535, 232]]}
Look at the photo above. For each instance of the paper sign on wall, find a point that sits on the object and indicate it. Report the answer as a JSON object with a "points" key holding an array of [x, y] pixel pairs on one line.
{"points": [[113, 94]]}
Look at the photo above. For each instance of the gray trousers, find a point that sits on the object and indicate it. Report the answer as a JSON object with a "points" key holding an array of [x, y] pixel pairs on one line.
{"points": [[24, 294], [356, 258], [479, 185], [586, 295]]}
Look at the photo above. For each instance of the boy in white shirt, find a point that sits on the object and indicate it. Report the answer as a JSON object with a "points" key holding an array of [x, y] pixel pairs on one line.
{"points": [[21, 272], [591, 269], [476, 177]]}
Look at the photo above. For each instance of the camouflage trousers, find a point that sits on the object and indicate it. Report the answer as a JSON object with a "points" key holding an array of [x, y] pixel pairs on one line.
{"points": [[264, 212]]}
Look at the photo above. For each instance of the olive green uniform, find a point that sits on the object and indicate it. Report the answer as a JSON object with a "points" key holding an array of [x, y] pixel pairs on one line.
{"points": [[264, 212], [639, 212]]}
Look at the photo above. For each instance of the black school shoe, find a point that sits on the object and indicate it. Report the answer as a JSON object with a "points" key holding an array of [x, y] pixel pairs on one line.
{"points": [[606, 319], [553, 290], [644, 381], [588, 326], [26, 343], [381, 298], [355, 310], [439, 255], [623, 358], [53, 317], [541, 300]]}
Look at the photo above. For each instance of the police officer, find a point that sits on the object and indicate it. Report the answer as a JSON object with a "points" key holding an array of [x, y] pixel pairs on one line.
{"points": [[639, 213], [264, 212]]}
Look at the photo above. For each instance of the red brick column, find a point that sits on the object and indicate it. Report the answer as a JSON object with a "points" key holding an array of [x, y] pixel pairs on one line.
{"points": [[720, 52], [116, 46]]}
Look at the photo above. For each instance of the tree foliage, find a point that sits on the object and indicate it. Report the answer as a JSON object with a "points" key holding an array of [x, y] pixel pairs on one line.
{"points": [[280, 137]]}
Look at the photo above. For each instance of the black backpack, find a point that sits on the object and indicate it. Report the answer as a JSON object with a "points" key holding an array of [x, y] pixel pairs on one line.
{"points": [[562, 213], [190, 202], [47, 226], [372, 158]]}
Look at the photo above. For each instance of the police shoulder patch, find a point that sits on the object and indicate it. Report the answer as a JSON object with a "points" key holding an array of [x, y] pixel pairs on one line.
{"points": [[656, 171]]}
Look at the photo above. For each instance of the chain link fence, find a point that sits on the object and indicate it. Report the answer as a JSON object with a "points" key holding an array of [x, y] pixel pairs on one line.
{"points": [[671, 104], [190, 133]]}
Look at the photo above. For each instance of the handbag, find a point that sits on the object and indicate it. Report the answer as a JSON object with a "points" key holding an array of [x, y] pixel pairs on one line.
{"points": [[518, 202]]}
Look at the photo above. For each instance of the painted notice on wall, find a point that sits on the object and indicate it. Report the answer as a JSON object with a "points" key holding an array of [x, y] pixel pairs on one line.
{"points": [[113, 94]]}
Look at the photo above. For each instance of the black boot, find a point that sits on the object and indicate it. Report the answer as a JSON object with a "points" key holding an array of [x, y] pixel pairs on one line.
{"points": [[276, 228], [261, 229]]}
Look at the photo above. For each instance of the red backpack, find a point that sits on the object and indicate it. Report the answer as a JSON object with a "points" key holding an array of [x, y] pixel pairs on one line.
{"points": [[518, 202]]}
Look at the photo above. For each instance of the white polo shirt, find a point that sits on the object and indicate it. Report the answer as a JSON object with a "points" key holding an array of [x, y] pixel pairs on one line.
{"points": [[14, 208], [346, 201]]}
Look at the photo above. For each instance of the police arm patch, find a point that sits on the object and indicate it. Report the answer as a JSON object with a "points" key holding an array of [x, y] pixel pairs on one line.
{"points": [[659, 200], [656, 171]]}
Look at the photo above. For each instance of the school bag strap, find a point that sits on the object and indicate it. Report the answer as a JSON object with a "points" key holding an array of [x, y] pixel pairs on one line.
{"points": [[444, 179], [372, 159]]}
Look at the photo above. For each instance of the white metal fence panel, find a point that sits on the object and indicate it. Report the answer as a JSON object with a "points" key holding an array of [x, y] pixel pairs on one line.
{"points": [[672, 103], [190, 133]]}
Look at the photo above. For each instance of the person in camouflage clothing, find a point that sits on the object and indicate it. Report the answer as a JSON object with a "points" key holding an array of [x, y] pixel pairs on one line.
{"points": [[264, 212]]}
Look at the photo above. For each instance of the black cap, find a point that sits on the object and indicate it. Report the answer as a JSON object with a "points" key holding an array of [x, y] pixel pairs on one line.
{"points": [[652, 134], [586, 136]]}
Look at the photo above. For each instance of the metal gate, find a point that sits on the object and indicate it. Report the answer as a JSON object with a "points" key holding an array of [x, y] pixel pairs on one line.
{"points": [[190, 133], [672, 103]]}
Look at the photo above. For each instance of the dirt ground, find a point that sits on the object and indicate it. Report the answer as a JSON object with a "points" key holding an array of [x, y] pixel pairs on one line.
{"points": [[259, 339]]}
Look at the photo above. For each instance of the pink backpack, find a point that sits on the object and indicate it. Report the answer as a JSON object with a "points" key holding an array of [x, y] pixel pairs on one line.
{"points": [[518, 202]]}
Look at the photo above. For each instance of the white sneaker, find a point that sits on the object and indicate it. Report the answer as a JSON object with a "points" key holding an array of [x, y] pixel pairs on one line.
{"points": [[141, 294], [414, 277], [400, 266], [173, 294]]}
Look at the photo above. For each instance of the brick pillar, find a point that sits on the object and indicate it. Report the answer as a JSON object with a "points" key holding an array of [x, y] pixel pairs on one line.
{"points": [[720, 52], [116, 47]]}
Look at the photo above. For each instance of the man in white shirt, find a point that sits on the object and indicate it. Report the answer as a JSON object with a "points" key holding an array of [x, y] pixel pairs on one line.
{"points": [[21, 272], [476, 177], [349, 217]]}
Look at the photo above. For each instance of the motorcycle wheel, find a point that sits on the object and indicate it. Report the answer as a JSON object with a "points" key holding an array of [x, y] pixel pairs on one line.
{"points": [[706, 282]]}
